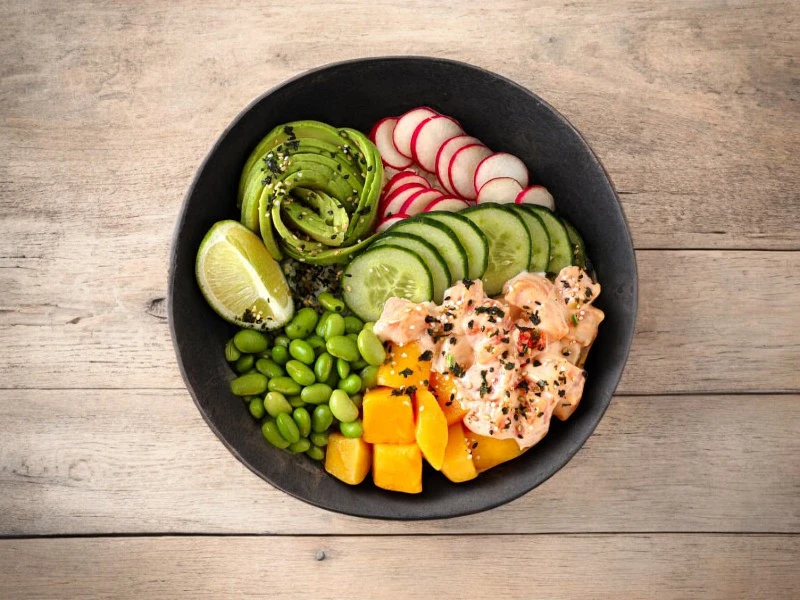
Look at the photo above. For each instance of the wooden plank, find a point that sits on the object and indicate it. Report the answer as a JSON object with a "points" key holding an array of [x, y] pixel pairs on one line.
{"points": [[586, 566], [100, 462], [691, 106], [709, 321]]}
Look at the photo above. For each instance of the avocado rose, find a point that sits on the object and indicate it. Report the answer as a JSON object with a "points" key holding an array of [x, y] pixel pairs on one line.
{"points": [[311, 190]]}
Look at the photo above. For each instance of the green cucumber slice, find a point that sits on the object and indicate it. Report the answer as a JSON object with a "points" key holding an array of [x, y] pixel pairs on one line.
{"points": [[381, 273], [509, 244], [540, 239], [471, 237], [427, 252], [443, 239], [578, 247], [560, 247]]}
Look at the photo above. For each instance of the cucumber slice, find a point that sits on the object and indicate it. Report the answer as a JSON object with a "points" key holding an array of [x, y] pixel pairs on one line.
{"points": [[381, 273], [438, 267], [443, 239], [560, 248], [471, 237], [540, 239], [578, 247], [509, 244]]}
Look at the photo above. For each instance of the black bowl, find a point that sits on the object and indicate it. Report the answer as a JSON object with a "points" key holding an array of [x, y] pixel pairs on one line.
{"points": [[356, 94]]}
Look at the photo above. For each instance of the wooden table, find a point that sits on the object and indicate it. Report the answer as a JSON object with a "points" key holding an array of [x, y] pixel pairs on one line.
{"points": [[111, 485]]}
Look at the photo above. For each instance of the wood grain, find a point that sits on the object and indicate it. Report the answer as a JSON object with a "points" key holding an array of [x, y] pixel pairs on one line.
{"points": [[144, 461], [592, 566]]}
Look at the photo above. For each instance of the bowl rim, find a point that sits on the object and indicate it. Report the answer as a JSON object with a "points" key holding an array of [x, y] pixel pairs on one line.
{"points": [[356, 511]]}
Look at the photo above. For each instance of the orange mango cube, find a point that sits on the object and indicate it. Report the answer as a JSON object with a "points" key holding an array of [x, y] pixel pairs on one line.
{"points": [[445, 391], [458, 465], [397, 467], [488, 452], [431, 431], [403, 368], [388, 419], [348, 459]]}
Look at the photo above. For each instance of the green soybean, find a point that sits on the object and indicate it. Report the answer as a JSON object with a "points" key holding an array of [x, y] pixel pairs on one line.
{"points": [[320, 329], [341, 346], [288, 428], [369, 325], [282, 340], [332, 379], [321, 418], [342, 368], [371, 348], [353, 429], [317, 343], [316, 393], [342, 407], [300, 446], [270, 432], [256, 408], [319, 439], [232, 353], [330, 302], [296, 401], [251, 384], [323, 366], [359, 364], [250, 341], [245, 363], [269, 368], [302, 324], [350, 384], [285, 385], [300, 372], [315, 453], [357, 399], [369, 377], [302, 419], [302, 351], [276, 404], [352, 336], [353, 324], [280, 354], [334, 326]]}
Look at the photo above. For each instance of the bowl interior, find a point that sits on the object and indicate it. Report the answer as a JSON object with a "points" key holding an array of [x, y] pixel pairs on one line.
{"points": [[505, 117]]}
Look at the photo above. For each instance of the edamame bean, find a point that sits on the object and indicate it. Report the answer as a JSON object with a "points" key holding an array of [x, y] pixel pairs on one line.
{"points": [[270, 432], [282, 340], [300, 446], [316, 393], [321, 418], [302, 324], [369, 325], [341, 346], [332, 379], [334, 326], [276, 404], [249, 399], [350, 384], [287, 427], [320, 329], [300, 372], [353, 324], [250, 341], [269, 368], [358, 364], [315, 453], [285, 385], [330, 302], [256, 408], [319, 439], [357, 399], [302, 351], [296, 401], [251, 384], [353, 429], [371, 348], [323, 366], [342, 368], [317, 343], [369, 377], [342, 407], [352, 336], [245, 363], [232, 353], [302, 419], [280, 354]]}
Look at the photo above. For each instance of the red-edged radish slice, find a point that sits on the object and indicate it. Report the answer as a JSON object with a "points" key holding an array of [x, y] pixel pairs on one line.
{"points": [[403, 178], [429, 136], [389, 221], [500, 190], [415, 187], [536, 194], [381, 136], [394, 202], [405, 127], [448, 203], [462, 169], [420, 201], [445, 154], [501, 164]]}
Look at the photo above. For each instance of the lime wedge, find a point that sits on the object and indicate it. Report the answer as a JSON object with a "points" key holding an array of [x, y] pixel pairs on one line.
{"points": [[240, 279]]}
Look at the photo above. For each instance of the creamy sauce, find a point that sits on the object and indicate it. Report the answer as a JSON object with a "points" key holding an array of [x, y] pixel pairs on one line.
{"points": [[515, 359]]}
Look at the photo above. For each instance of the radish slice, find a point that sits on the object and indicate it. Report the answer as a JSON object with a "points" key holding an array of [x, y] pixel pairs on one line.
{"points": [[501, 164], [420, 201], [414, 187], [445, 154], [394, 203], [405, 128], [462, 169], [388, 222], [536, 194], [381, 135], [501, 190], [429, 136], [448, 203], [403, 178]]}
